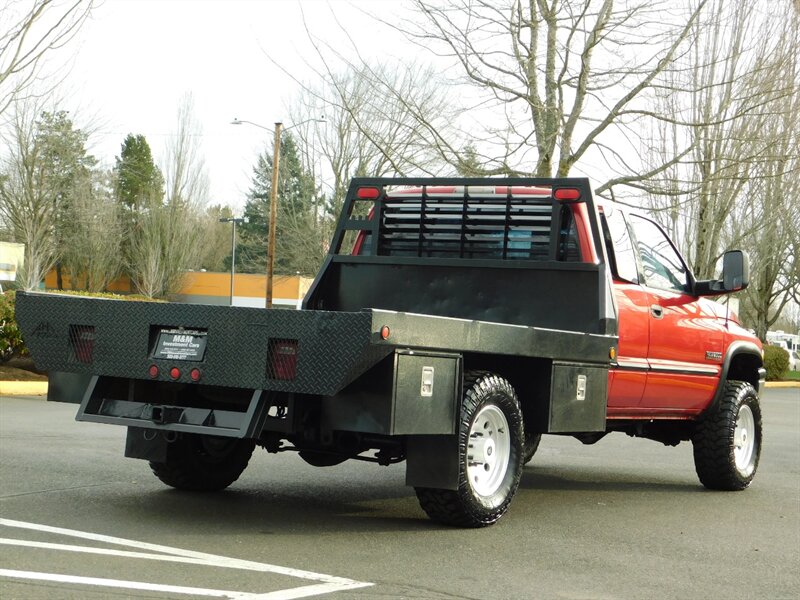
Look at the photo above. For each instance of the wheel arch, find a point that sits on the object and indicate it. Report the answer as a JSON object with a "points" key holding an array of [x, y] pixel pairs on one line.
{"points": [[529, 376], [743, 362]]}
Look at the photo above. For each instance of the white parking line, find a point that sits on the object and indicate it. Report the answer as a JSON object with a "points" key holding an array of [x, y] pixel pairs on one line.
{"points": [[119, 583], [327, 583]]}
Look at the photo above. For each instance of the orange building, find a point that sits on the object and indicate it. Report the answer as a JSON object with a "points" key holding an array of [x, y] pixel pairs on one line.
{"points": [[201, 287]]}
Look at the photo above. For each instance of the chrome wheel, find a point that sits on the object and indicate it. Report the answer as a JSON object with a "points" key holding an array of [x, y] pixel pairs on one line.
{"points": [[488, 451], [744, 440]]}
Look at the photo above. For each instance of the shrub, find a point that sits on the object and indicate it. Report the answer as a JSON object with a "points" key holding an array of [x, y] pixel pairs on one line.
{"points": [[11, 343], [776, 361]]}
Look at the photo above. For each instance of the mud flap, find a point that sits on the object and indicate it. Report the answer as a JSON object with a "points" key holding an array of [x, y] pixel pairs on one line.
{"points": [[432, 461], [67, 387], [147, 444]]}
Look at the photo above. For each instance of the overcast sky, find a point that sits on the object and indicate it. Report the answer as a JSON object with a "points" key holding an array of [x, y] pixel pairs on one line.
{"points": [[136, 59]]}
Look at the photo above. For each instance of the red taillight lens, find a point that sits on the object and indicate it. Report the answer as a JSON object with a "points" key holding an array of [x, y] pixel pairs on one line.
{"points": [[195, 374], [567, 194], [175, 372], [153, 371], [385, 332], [368, 193], [282, 359], [81, 338]]}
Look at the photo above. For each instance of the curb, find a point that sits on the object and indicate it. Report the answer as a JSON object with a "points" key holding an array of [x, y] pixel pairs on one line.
{"points": [[39, 388], [23, 388], [783, 384]]}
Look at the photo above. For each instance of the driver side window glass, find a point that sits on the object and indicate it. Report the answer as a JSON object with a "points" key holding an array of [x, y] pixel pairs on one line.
{"points": [[662, 265]]}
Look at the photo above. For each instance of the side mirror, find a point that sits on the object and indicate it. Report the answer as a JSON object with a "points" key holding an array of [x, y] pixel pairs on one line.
{"points": [[735, 271], [735, 276]]}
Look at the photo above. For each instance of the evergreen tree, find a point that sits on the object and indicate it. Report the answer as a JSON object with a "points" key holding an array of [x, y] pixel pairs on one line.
{"points": [[139, 181], [298, 244], [138, 189], [66, 169]]}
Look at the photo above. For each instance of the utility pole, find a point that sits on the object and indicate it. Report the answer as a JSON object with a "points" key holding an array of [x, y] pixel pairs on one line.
{"points": [[273, 211], [273, 197]]}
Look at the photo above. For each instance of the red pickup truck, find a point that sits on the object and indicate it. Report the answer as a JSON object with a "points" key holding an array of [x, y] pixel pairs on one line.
{"points": [[453, 323]]}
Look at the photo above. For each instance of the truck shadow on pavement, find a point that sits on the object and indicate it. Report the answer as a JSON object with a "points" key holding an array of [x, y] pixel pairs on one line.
{"points": [[358, 503], [590, 479]]}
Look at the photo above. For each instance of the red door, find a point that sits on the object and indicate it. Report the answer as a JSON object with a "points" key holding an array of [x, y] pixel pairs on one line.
{"points": [[685, 346]]}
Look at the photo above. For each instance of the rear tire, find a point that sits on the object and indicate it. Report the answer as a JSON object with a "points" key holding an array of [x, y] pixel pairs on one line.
{"points": [[490, 439], [203, 463], [727, 440], [530, 446]]}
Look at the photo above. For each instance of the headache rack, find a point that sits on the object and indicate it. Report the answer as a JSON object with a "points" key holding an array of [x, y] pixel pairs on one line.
{"points": [[500, 250], [473, 223], [508, 222]]}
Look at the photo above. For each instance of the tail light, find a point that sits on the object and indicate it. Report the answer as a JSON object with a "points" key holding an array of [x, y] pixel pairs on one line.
{"points": [[368, 193], [567, 194], [81, 339], [282, 360]]}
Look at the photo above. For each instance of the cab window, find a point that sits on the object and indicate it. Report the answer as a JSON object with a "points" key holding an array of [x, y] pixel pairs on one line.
{"points": [[662, 266]]}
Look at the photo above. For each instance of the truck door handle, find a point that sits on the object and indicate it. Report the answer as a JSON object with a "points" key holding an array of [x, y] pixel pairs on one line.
{"points": [[657, 311]]}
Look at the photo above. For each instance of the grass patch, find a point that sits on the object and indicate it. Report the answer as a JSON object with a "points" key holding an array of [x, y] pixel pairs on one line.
{"points": [[20, 369], [792, 376]]}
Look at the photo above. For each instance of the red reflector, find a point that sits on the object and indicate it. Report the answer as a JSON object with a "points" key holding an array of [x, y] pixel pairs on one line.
{"points": [[368, 193], [195, 374], [567, 194], [385, 331], [153, 371], [175, 372]]}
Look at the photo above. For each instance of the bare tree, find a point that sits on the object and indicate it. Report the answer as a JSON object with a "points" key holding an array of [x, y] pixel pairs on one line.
{"points": [[553, 80], [216, 238], [30, 31], [167, 238], [731, 82], [371, 126], [93, 255], [26, 205], [738, 115], [164, 245], [767, 219], [186, 179]]}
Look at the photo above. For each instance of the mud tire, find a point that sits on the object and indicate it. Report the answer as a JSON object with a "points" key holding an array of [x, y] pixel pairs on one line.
{"points": [[488, 400], [201, 463], [727, 440]]}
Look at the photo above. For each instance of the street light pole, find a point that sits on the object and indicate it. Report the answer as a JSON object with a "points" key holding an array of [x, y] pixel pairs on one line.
{"points": [[273, 211], [233, 248]]}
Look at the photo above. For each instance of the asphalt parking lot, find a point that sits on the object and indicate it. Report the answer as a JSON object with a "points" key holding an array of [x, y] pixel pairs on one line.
{"points": [[625, 518]]}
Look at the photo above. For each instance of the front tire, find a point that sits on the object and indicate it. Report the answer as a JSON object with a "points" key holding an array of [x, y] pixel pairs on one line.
{"points": [[490, 440], [727, 440], [203, 463]]}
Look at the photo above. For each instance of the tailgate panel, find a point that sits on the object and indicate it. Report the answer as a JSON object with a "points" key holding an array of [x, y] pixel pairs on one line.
{"points": [[244, 347]]}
